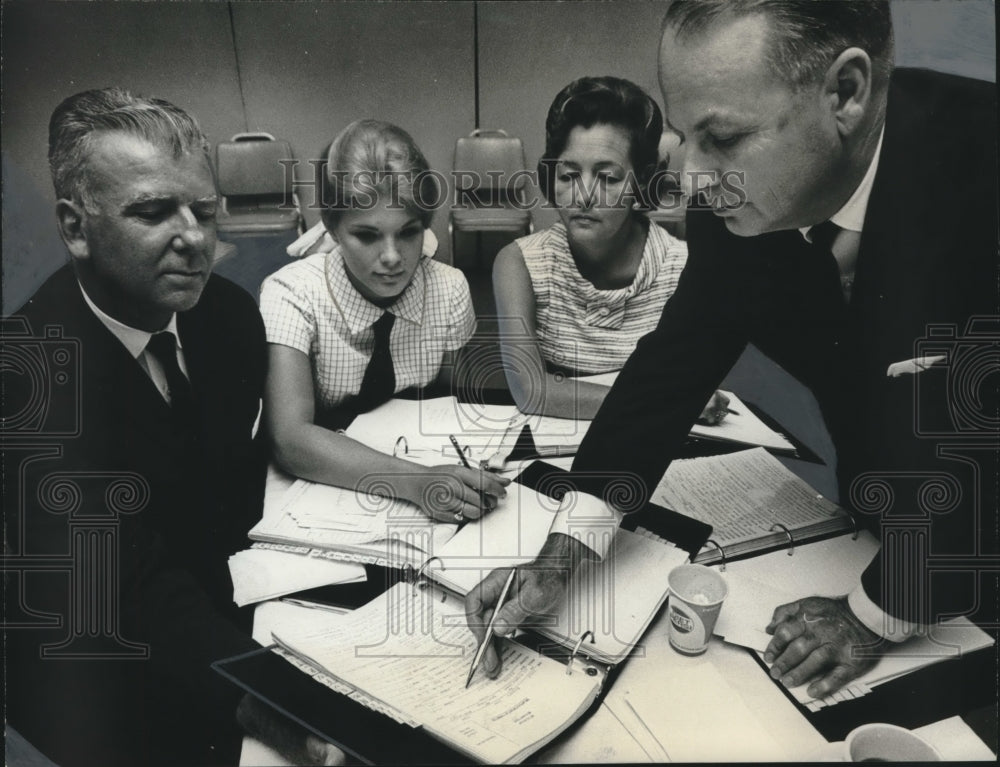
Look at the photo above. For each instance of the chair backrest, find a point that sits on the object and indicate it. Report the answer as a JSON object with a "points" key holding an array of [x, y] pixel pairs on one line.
{"points": [[496, 159], [250, 165]]}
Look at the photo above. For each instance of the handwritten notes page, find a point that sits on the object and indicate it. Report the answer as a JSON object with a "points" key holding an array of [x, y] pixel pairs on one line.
{"points": [[742, 495], [408, 654], [615, 599]]}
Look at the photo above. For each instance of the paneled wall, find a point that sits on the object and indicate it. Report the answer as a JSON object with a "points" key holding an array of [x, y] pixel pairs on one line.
{"points": [[303, 70]]}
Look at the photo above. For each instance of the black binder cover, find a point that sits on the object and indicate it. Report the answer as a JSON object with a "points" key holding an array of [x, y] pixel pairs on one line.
{"points": [[363, 734]]}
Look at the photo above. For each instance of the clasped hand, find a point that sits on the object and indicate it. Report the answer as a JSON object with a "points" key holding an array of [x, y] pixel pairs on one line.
{"points": [[820, 639]]}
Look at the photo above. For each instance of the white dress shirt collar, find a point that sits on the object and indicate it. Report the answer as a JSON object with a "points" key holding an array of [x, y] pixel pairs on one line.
{"points": [[852, 215], [133, 339]]}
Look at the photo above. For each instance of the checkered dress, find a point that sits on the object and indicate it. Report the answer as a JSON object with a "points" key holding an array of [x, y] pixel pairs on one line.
{"points": [[310, 305]]}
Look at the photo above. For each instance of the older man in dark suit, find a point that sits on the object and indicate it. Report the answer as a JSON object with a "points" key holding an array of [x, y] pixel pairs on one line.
{"points": [[139, 472], [847, 226]]}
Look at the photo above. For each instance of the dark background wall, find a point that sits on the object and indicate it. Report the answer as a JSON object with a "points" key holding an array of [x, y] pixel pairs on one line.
{"points": [[303, 70]]}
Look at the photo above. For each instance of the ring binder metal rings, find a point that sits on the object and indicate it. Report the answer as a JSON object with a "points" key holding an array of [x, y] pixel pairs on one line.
{"points": [[576, 649], [722, 553], [791, 540], [395, 448], [409, 573], [420, 581], [854, 527]]}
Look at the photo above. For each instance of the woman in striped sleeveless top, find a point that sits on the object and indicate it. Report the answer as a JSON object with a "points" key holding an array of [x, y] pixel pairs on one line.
{"points": [[575, 299]]}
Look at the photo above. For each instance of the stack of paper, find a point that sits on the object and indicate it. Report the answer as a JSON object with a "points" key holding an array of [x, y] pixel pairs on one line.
{"points": [[397, 536], [669, 720], [952, 639], [406, 654], [259, 574]]}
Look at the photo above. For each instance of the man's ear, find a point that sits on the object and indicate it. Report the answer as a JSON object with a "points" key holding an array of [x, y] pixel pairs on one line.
{"points": [[70, 216], [847, 86]]}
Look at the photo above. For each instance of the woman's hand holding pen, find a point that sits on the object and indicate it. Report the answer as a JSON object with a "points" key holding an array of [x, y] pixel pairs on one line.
{"points": [[450, 493], [716, 410]]}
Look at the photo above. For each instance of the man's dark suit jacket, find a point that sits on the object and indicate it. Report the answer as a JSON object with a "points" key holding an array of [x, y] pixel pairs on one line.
{"points": [[917, 453], [177, 504]]}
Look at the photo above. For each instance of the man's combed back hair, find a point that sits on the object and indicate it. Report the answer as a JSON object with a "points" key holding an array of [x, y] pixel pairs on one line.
{"points": [[372, 157], [807, 34], [79, 118], [593, 101]]}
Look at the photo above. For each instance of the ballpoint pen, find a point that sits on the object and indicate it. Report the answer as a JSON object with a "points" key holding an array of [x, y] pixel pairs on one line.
{"points": [[489, 627], [466, 464], [461, 453]]}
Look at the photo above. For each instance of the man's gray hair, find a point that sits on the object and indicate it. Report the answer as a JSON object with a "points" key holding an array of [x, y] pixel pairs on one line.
{"points": [[79, 118], [807, 35]]}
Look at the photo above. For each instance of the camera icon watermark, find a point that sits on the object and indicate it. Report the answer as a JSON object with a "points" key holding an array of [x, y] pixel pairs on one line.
{"points": [[968, 404], [41, 377]]}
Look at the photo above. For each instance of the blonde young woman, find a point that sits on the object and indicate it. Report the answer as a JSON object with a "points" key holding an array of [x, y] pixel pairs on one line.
{"points": [[351, 327]]}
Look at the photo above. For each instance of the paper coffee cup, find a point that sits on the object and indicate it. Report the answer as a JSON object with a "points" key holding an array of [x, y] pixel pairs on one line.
{"points": [[696, 594], [887, 743]]}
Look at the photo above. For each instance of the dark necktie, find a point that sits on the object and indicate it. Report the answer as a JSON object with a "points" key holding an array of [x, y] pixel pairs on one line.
{"points": [[379, 382], [823, 236], [163, 346]]}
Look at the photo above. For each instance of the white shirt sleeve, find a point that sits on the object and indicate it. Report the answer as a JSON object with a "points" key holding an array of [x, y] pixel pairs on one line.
{"points": [[587, 519], [877, 621]]}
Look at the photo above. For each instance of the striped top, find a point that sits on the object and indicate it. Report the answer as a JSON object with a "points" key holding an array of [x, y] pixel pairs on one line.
{"points": [[586, 330], [311, 305]]}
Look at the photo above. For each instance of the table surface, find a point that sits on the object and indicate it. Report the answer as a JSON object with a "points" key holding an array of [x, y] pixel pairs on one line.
{"points": [[774, 728]]}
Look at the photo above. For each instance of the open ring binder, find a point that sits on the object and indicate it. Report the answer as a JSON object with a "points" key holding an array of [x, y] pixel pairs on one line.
{"points": [[576, 649], [854, 528], [420, 581], [395, 448], [722, 553], [791, 540]]}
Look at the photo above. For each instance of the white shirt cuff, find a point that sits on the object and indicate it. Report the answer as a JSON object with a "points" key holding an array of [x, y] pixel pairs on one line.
{"points": [[587, 519], [878, 621]]}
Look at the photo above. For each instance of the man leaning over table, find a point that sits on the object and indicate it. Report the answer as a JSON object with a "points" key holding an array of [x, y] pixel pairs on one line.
{"points": [[108, 658], [852, 241]]}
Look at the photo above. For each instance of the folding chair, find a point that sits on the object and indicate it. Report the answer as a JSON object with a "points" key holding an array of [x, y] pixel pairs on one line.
{"points": [[256, 188], [260, 213], [490, 185]]}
